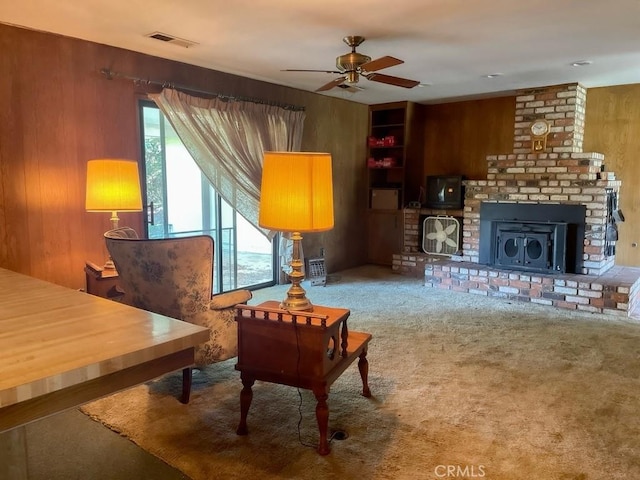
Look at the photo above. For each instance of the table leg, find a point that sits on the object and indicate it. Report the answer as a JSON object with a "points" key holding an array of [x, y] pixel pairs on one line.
{"points": [[13, 454], [246, 395], [345, 337], [187, 376], [363, 366], [322, 417]]}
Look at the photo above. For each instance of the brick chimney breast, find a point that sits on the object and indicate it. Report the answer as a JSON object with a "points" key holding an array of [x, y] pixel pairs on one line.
{"points": [[562, 106]]}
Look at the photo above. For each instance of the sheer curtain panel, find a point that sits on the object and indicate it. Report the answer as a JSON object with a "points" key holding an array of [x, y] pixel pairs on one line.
{"points": [[227, 139]]}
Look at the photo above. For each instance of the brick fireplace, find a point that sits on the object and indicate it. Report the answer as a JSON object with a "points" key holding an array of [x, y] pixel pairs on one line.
{"points": [[547, 195], [562, 174]]}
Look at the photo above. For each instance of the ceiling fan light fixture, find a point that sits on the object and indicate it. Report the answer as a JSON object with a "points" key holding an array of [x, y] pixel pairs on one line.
{"points": [[352, 65], [351, 61]]}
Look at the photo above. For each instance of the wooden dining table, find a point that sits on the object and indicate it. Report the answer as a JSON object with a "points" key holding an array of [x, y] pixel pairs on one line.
{"points": [[60, 348]]}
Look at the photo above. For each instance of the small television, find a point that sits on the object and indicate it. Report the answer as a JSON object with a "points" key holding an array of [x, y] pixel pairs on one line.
{"points": [[444, 192]]}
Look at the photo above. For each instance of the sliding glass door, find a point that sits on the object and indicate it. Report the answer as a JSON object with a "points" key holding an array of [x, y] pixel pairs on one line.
{"points": [[184, 203]]}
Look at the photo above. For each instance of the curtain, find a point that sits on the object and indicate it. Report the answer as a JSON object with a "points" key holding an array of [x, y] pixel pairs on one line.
{"points": [[227, 139]]}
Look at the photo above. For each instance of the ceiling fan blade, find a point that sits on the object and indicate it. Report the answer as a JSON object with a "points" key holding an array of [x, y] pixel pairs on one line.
{"points": [[331, 84], [380, 63], [388, 79], [320, 71]]}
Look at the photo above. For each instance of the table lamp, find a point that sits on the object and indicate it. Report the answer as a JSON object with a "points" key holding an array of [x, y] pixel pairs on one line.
{"points": [[296, 196], [113, 185]]}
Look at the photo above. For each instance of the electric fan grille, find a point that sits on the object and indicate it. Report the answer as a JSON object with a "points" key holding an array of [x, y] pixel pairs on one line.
{"points": [[317, 272], [441, 235]]}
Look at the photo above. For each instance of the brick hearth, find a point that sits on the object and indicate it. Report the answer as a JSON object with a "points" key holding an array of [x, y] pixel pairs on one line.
{"points": [[617, 291]]}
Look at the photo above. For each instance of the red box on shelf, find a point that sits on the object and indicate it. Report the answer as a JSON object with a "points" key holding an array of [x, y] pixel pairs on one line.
{"points": [[388, 141], [386, 162]]}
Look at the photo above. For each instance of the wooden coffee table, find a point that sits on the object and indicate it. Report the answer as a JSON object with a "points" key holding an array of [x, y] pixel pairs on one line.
{"points": [[301, 349]]}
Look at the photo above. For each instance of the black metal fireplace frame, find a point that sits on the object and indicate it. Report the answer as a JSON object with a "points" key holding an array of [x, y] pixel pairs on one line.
{"points": [[534, 246], [571, 233]]}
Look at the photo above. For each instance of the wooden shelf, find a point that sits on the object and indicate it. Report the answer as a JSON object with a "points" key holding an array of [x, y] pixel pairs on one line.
{"points": [[391, 188]]}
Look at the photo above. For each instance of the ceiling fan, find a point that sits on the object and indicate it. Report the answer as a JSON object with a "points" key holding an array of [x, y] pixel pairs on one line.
{"points": [[351, 66]]}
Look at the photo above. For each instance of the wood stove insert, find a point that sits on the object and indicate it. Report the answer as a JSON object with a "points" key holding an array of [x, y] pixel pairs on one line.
{"points": [[545, 238], [531, 246]]}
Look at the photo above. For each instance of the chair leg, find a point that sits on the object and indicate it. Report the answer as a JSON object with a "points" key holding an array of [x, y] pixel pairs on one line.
{"points": [[186, 385]]}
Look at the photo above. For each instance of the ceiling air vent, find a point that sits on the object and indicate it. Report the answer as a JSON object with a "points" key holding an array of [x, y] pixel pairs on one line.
{"points": [[350, 88], [163, 37]]}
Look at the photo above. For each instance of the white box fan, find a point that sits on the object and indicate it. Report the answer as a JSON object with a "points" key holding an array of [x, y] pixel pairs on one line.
{"points": [[441, 235]]}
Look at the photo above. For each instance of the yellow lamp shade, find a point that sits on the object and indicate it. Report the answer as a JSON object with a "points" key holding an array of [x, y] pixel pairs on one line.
{"points": [[297, 192], [113, 185]]}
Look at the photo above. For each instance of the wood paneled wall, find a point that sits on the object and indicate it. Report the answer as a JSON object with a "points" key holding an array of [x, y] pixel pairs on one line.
{"points": [[57, 111], [460, 135], [612, 127]]}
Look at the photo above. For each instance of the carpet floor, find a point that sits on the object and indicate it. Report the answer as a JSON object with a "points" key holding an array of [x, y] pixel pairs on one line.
{"points": [[463, 387]]}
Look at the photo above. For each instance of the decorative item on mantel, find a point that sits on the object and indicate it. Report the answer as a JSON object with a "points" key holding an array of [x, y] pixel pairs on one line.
{"points": [[113, 185], [296, 196], [540, 129]]}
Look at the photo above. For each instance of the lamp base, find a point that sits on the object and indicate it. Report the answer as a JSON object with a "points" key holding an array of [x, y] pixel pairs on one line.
{"points": [[296, 296], [296, 302]]}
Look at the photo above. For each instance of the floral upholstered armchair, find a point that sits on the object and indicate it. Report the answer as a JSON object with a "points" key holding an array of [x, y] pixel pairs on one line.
{"points": [[174, 277]]}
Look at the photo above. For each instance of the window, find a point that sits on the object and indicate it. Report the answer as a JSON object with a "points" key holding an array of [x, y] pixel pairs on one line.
{"points": [[185, 203]]}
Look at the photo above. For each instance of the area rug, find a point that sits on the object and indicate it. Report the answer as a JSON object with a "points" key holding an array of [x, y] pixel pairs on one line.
{"points": [[463, 387]]}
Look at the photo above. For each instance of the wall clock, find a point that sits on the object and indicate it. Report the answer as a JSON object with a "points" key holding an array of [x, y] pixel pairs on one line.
{"points": [[539, 130]]}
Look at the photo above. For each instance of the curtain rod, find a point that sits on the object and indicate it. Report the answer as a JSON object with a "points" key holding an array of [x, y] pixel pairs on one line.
{"points": [[110, 75]]}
